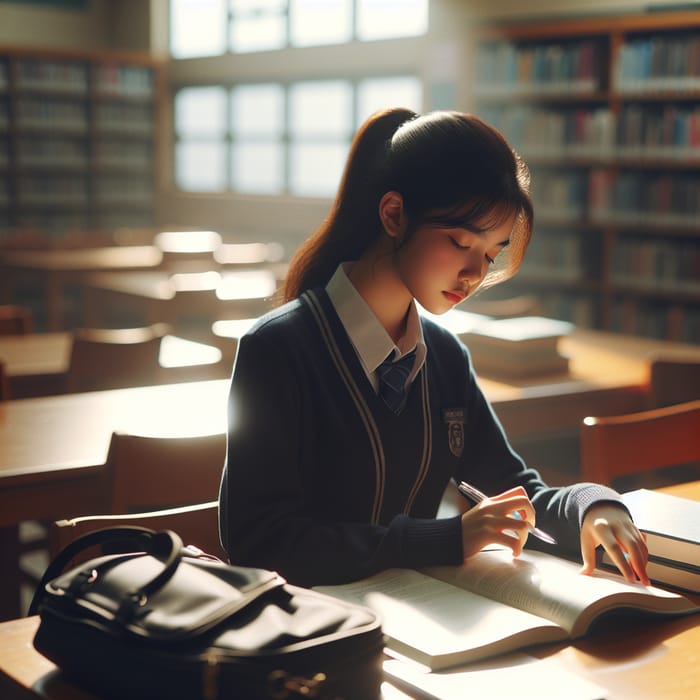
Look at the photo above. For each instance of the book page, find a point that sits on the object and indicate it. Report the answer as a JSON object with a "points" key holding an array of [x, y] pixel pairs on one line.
{"points": [[511, 676], [426, 618], [553, 588]]}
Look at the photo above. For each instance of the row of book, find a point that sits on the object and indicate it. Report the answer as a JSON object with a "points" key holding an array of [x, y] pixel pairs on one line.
{"points": [[659, 64], [554, 255], [641, 198], [644, 132], [61, 114], [658, 264], [502, 68], [654, 319], [75, 153], [79, 78], [73, 190]]}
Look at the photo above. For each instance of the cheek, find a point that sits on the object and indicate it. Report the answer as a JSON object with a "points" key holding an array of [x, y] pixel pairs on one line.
{"points": [[421, 267]]}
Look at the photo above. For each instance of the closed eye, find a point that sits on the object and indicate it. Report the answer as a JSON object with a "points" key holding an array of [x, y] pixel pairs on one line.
{"points": [[457, 244]]}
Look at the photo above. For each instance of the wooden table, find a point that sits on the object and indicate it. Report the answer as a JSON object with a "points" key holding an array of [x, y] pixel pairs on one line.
{"points": [[36, 363], [161, 296], [57, 269], [635, 661]]}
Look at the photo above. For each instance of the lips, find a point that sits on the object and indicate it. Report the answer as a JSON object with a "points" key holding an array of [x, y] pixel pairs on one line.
{"points": [[454, 297]]}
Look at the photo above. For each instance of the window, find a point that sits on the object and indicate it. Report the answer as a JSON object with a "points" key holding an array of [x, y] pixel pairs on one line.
{"points": [[213, 27], [269, 138], [200, 122]]}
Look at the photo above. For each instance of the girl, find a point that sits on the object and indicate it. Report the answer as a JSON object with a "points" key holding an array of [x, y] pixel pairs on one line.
{"points": [[350, 413]]}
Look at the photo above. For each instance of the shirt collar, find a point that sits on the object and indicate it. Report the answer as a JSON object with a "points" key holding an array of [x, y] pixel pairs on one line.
{"points": [[369, 338]]}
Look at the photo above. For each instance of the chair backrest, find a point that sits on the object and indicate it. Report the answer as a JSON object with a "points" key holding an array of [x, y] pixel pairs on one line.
{"points": [[673, 380], [617, 446], [149, 473], [115, 357], [197, 525], [15, 320]]}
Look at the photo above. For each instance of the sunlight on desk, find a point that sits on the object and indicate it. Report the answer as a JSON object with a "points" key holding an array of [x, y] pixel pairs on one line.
{"points": [[246, 284], [248, 253], [179, 352], [187, 241]]}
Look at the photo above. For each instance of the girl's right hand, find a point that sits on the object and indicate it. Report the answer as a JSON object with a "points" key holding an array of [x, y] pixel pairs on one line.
{"points": [[493, 521]]}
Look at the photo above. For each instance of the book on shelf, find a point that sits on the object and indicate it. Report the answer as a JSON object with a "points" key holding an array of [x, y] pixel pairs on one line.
{"points": [[494, 603], [672, 528]]}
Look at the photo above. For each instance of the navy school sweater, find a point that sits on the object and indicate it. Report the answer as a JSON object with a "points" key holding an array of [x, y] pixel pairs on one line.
{"points": [[325, 484]]}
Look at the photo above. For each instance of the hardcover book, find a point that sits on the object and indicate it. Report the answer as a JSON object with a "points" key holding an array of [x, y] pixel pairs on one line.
{"points": [[672, 528]]}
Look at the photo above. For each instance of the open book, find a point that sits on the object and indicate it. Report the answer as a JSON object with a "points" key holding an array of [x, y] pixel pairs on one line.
{"points": [[493, 603]]}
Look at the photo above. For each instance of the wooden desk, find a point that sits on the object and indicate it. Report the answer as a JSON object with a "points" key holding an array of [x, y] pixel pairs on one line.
{"points": [[161, 296], [637, 661], [59, 268], [36, 363]]}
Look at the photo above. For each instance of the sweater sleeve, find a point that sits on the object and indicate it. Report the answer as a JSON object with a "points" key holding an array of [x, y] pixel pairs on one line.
{"points": [[267, 516], [493, 466]]}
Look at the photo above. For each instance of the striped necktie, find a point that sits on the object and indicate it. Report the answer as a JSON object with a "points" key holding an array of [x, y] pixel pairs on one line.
{"points": [[392, 380]]}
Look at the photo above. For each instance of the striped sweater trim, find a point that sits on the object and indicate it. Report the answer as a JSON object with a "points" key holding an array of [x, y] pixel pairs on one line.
{"points": [[362, 408], [367, 417]]}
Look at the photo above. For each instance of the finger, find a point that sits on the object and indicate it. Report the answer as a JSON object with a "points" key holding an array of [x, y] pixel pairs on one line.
{"points": [[619, 558], [588, 556], [637, 555], [514, 505]]}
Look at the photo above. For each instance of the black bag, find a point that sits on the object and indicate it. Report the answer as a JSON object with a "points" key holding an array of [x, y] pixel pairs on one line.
{"points": [[153, 621]]}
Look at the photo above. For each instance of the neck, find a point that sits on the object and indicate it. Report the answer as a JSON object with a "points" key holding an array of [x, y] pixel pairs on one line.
{"points": [[375, 277]]}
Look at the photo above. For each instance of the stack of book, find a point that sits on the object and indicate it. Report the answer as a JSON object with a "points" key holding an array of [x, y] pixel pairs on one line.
{"points": [[509, 348], [672, 528], [513, 348]]}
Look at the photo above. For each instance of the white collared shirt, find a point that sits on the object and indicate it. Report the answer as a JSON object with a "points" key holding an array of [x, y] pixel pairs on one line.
{"points": [[367, 335]]}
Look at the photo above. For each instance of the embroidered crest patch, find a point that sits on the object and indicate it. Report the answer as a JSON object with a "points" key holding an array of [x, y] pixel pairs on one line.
{"points": [[454, 417]]}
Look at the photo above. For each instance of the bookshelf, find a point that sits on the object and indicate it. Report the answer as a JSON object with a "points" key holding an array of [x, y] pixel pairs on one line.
{"points": [[606, 112], [78, 142]]}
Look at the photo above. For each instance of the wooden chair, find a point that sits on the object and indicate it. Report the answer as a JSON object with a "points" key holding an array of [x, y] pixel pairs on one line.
{"points": [[4, 383], [197, 525], [615, 447], [673, 380], [148, 473], [15, 320], [115, 358]]}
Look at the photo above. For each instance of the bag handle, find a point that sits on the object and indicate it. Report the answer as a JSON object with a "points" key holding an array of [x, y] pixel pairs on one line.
{"points": [[164, 545]]}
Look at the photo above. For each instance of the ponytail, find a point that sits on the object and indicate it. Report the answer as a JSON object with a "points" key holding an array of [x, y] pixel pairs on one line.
{"points": [[353, 223]]}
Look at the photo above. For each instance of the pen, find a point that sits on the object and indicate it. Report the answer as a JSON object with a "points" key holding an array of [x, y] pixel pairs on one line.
{"points": [[477, 496]]}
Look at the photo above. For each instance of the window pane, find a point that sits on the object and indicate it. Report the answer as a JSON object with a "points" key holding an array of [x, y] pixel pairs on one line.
{"points": [[321, 108], [257, 168], [314, 22], [200, 167], [200, 111], [257, 109], [197, 28], [380, 93], [258, 25], [385, 19], [316, 168]]}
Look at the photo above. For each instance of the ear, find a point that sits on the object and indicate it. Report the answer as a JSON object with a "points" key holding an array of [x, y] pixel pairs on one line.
{"points": [[391, 214]]}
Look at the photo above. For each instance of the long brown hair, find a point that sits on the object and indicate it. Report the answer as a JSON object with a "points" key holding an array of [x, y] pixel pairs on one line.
{"points": [[451, 169]]}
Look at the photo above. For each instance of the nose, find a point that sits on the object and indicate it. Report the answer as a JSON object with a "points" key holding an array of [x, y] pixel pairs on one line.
{"points": [[474, 268]]}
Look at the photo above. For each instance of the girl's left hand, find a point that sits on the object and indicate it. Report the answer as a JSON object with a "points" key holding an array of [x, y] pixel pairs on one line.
{"points": [[611, 526]]}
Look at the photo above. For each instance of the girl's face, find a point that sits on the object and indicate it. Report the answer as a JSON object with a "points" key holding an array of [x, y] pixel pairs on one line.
{"points": [[441, 266]]}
